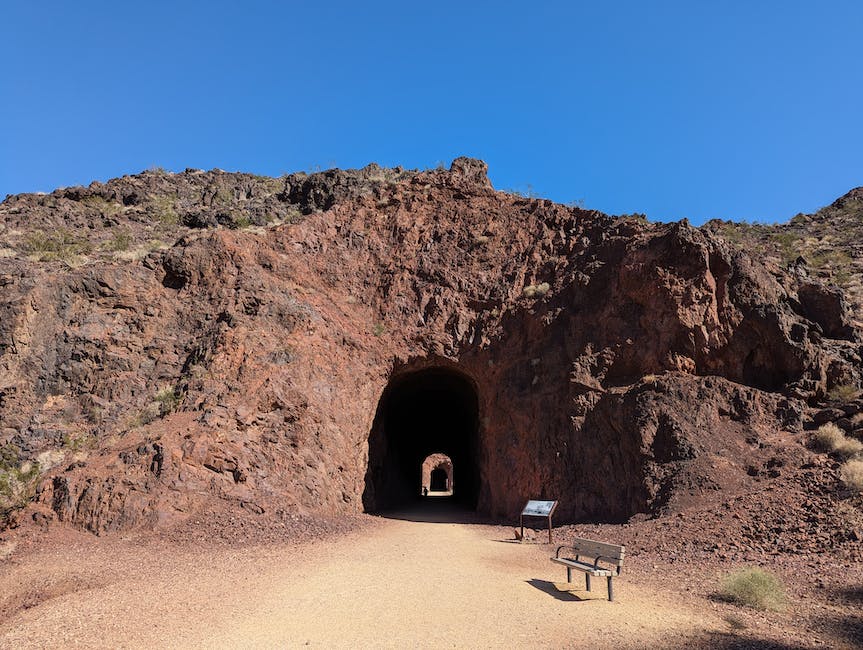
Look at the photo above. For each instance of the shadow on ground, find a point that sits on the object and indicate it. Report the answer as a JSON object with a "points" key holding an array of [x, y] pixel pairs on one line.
{"points": [[551, 589], [436, 510], [732, 641]]}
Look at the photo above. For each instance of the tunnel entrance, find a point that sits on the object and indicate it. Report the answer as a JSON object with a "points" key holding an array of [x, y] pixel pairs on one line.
{"points": [[426, 424]]}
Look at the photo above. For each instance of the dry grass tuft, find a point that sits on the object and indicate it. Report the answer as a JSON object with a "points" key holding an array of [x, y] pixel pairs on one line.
{"points": [[827, 437], [536, 290], [755, 588], [852, 475], [843, 393], [832, 440], [849, 448], [60, 244]]}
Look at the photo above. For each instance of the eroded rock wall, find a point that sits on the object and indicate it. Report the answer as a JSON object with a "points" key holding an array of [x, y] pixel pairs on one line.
{"points": [[620, 366]]}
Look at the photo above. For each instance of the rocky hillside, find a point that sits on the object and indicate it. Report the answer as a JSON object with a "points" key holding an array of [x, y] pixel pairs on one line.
{"points": [[827, 245], [301, 344]]}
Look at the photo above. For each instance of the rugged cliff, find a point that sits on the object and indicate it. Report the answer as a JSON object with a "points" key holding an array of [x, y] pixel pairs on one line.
{"points": [[302, 344]]}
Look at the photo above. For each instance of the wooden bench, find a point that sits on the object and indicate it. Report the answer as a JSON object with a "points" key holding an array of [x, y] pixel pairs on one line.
{"points": [[587, 548]]}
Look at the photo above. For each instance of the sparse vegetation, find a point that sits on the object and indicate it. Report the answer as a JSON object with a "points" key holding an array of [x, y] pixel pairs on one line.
{"points": [[528, 193], [827, 437], [104, 206], [755, 588], [843, 393], [140, 252], [17, 479], [168, 399], [736, 233], [378, 329], [832, 440], [166, 212], [119, 242], [852, 475], [838, 262], [788, 244], [536, 290], [149, 413], [78, 441], [242, 222], [165, 402], [58, 245], [224, 196]]}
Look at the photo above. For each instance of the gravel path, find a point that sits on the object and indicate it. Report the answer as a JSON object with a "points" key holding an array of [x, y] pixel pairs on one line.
{"points": [[397, 583]]}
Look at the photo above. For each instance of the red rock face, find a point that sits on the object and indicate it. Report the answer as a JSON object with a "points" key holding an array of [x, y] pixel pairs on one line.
{"points": [[618, 366]]}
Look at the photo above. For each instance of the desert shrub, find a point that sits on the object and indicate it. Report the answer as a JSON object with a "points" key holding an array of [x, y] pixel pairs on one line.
{"points": [[852, 475], [378, 329], [536, 290], [242, 222], [78, 441], [17, 480], [293, 214], [166, 212], [848, 447], [119, 242], [831, 439], [827, 437], [150, 413], [788, 244], [168, 399], [754, 588], [104, 206], [60, 244], [8, 456], [838, 262], [843, 393]]}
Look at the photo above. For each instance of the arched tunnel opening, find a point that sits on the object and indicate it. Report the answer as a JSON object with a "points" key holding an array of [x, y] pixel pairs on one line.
{"points": [[431, 411]]}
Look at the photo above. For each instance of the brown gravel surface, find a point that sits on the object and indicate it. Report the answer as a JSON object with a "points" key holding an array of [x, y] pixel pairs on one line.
{"points": [[427, 578]]}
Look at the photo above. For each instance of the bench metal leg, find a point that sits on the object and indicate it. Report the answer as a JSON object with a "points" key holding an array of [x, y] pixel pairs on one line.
{"points": [[568, 574], [587, 581], [610, 589]]}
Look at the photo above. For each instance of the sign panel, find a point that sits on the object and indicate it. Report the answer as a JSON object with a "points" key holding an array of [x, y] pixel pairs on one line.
{"points": [[539, 508]]}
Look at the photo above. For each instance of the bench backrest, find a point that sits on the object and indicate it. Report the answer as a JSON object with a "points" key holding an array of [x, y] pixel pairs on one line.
{"points": [[589, 548]]}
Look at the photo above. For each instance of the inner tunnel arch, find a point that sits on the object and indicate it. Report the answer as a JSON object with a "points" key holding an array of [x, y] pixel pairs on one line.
{"points": [[437, 474], [420, 413]]}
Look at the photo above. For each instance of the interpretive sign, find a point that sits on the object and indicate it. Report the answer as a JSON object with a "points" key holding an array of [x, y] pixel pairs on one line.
{"points": [[539, 508], [536, 508]]}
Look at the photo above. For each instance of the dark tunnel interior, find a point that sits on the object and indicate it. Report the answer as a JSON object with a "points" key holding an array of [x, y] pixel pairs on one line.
{"points": [[438, 480], [425, 412]]}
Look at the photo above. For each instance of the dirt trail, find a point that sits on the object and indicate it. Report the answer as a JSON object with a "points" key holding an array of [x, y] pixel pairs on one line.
{"points": [[399, 583]]}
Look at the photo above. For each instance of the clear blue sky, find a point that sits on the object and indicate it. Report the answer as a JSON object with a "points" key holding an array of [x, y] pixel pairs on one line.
{"points": [[745, 110]]}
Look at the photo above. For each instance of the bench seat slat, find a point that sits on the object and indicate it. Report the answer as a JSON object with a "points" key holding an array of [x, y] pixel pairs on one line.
{"points": [[582, 566]]}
